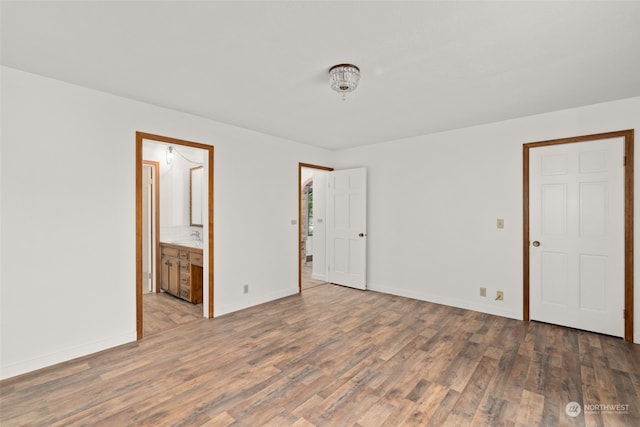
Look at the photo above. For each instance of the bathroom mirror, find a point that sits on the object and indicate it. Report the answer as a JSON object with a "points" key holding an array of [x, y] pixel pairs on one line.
{"points": [[195, 195]]}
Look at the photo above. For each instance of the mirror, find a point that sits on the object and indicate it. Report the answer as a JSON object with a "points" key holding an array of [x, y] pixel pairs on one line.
{"points": [[195, 195]]}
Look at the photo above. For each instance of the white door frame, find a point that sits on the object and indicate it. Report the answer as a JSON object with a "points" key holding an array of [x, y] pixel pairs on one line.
{"points": [[627, 135]]}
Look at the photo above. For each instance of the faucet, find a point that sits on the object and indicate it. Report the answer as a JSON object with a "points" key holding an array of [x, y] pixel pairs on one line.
{"points": [[195, 233]]}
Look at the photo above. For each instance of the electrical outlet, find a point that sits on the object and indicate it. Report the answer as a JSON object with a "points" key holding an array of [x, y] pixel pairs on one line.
{"points": [[499, 296], [246, 289], [483, 292]]}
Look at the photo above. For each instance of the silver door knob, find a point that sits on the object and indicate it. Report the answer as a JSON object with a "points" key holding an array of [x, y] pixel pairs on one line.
{"points": [[535, 243]]}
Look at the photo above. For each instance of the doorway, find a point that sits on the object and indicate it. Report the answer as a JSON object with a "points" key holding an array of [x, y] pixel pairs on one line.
{"points": [[578, 257], [206, 229], [150, 225], [312, 182]]}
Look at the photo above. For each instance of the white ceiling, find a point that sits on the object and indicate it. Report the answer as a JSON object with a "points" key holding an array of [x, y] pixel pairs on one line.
{"points": [[426, 66]]}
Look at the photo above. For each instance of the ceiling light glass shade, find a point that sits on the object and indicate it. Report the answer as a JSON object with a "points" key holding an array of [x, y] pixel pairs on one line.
{"points": [[344, 78]]}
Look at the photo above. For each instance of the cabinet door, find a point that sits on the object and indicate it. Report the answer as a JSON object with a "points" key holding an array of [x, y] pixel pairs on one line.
{"points": [[196, 284], [164, 274], [174, 276]]}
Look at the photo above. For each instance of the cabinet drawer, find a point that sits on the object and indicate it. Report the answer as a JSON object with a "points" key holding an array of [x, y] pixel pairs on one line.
{"points": [[184, 267], [172, 252], [195, 258], [184, 255], [185, 292], [185, 280]]}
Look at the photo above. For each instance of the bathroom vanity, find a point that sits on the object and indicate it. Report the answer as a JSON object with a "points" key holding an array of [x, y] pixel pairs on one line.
{"points": [[181, 271]]}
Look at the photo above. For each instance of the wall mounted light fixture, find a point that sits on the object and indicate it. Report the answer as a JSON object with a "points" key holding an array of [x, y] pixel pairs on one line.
{"points": [[169, 155]]}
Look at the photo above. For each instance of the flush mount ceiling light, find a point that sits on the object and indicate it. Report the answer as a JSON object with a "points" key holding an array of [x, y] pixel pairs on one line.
{"points": [[344, 78]]}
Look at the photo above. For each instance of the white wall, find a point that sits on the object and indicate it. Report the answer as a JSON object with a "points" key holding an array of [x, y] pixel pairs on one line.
{"points": [[305, 175], [68, 216], [174, 188], [67, 206], [434, 200]]}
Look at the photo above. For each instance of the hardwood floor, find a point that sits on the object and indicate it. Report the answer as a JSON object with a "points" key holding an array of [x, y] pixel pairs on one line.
{"points": [[307, 280], [338, 356], [163, 312]]}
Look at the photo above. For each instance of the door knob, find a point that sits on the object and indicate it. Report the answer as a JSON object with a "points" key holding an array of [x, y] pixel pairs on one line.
{"points": [[535, 243]]}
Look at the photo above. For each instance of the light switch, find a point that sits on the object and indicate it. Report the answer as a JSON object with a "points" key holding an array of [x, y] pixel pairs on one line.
{"points": [[500, 223], [294, 222]]}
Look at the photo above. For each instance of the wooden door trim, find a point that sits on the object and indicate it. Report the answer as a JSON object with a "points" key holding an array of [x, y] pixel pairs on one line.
{"points": [[140, 136], [628, 219], [300, 166], [156, 219]]}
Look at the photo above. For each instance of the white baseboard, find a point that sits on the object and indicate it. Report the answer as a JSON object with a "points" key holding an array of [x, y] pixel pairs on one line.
{"points": [[256, 300], [452, 302], [24, 366]]}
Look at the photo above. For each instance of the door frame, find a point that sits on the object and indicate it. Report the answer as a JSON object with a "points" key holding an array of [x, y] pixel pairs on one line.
{"points": [[627, 136], [299, 187], [156, 219], [140, 136]]}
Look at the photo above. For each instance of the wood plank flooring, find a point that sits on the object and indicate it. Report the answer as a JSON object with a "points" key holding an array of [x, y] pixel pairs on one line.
{"points": [[334, 356], [162, 312], [307, 280]]}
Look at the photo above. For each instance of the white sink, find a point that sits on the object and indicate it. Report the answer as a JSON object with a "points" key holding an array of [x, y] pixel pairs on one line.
{"points": [[190, 243]]}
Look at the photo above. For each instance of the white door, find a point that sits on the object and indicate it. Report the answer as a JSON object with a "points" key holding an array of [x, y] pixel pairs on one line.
{"points": [[347, 228], [576, 209], [147, 223]]}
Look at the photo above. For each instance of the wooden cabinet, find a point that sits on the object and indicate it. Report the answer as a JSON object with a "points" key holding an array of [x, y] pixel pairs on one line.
{"points": [[181, 272], [169, 278]]}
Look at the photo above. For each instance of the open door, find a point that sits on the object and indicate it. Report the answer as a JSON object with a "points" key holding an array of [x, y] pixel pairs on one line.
{"points": [[150, 226], [347, 228]]}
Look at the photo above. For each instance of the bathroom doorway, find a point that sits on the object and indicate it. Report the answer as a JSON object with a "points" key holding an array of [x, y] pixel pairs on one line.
{"points": [[190, 271]]}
